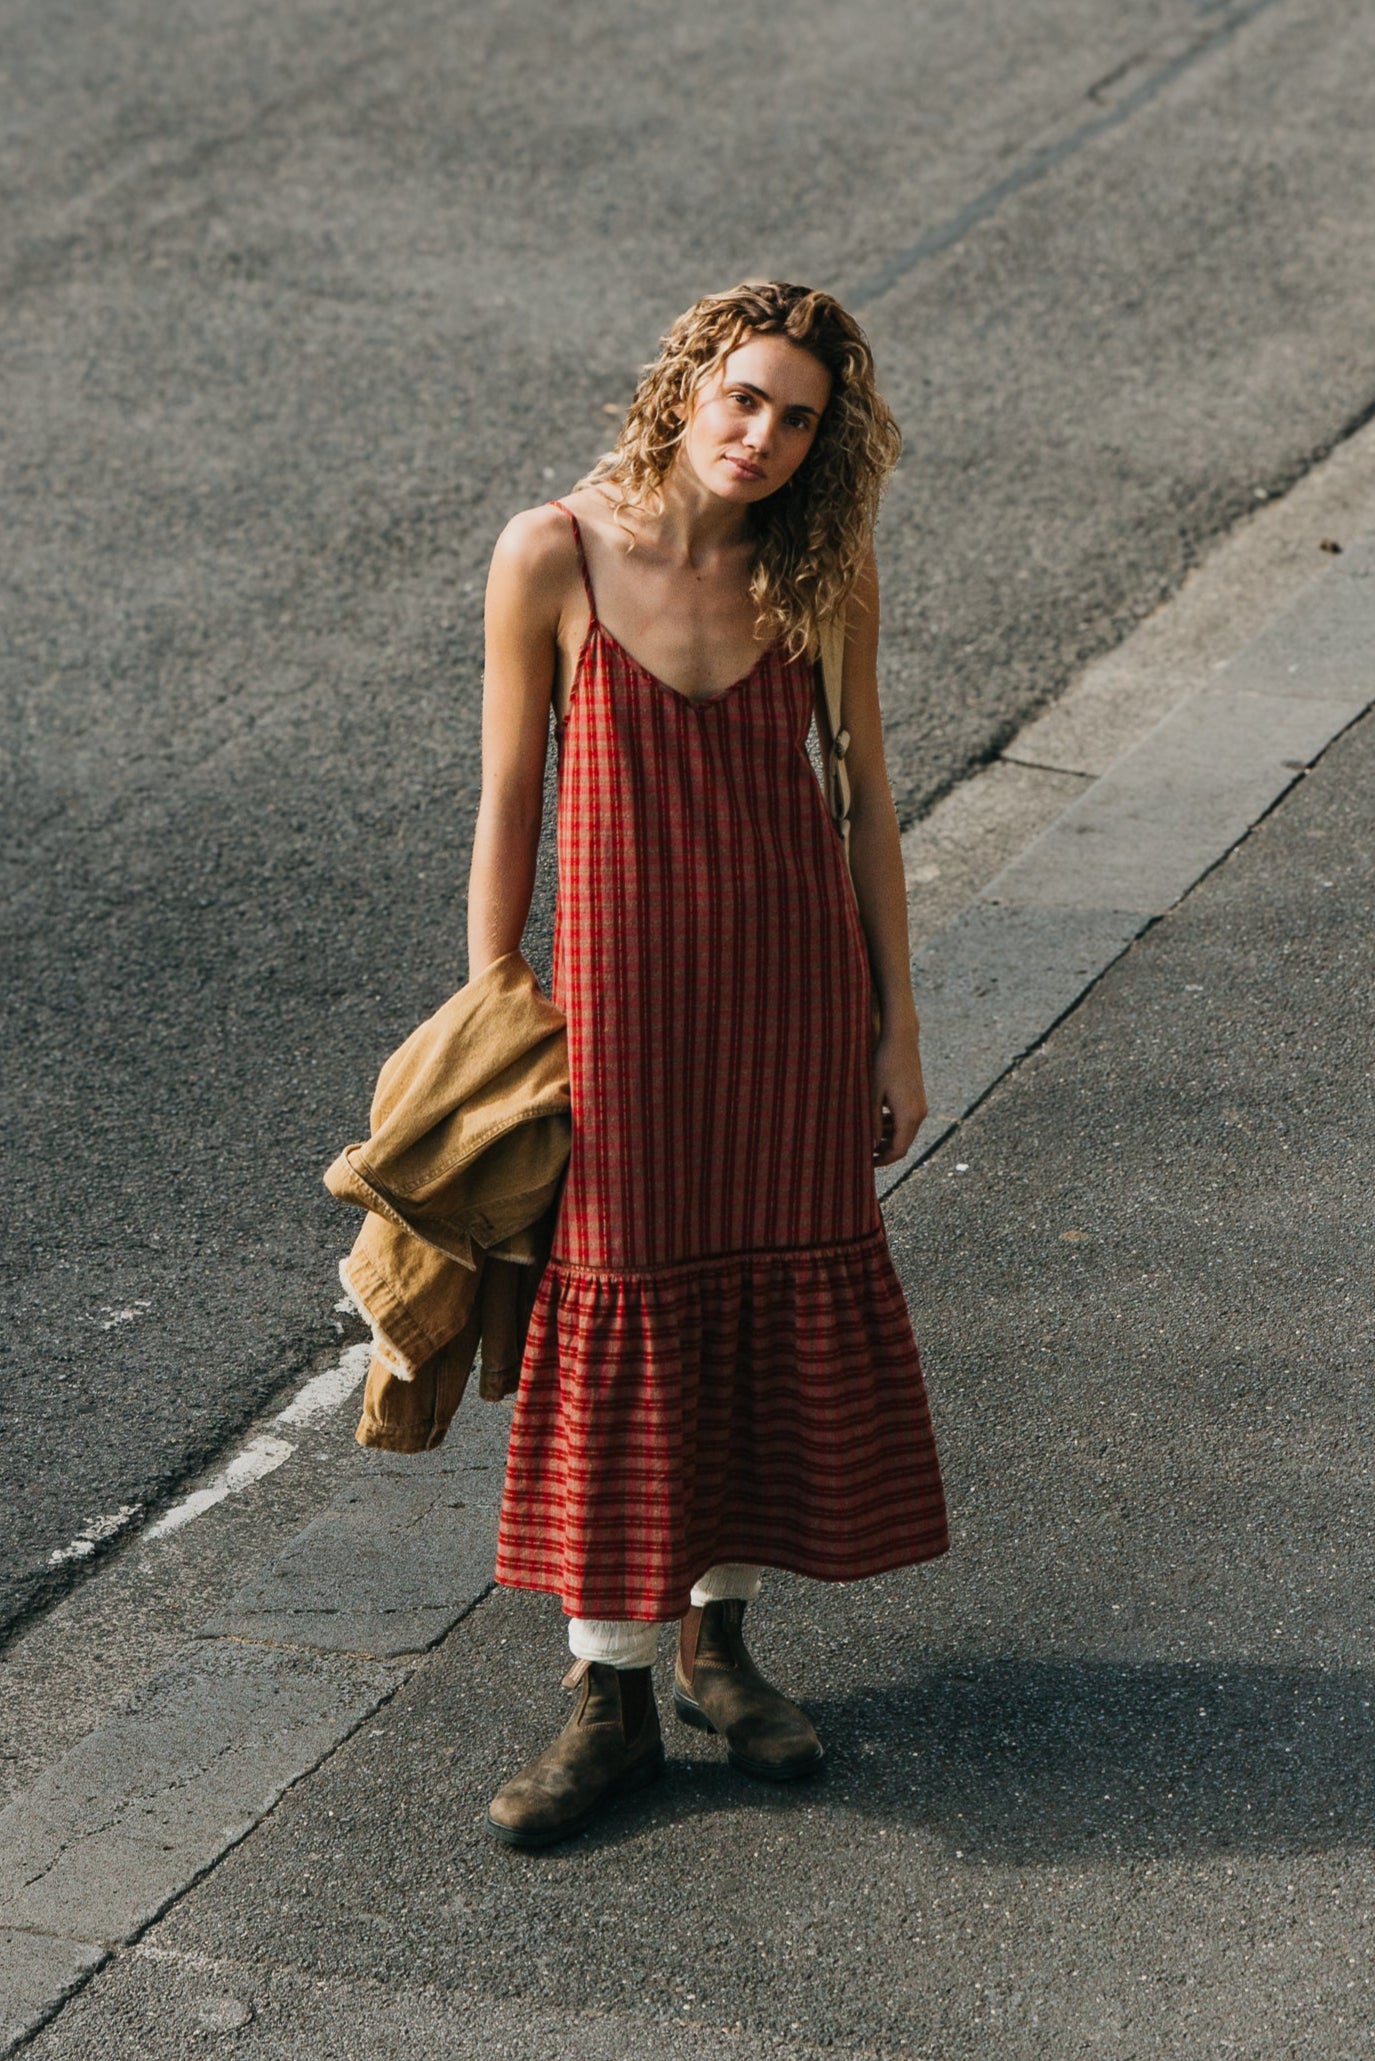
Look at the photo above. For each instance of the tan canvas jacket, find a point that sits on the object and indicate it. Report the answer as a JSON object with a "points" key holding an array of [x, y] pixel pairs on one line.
{"points": [[461, 1178]]}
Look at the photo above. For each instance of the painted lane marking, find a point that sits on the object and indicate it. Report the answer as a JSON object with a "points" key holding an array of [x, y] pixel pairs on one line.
{"points": [[128, 1315], [260, 1456], [264, 1454], [93, 1532], [325, 1392]]}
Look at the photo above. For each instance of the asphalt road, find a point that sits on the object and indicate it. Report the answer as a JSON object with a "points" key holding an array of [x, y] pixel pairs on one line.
{"points": [[298, 304]]}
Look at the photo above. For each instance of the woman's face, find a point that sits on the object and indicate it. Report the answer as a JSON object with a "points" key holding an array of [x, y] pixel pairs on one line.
{"points": [[754, 421]]}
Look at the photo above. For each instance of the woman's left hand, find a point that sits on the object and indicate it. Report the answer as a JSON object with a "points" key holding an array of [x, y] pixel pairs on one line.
{"points": [[898, 1106]]}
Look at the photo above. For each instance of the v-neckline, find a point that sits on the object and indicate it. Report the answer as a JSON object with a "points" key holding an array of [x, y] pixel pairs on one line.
{"points": [[688, 700]]}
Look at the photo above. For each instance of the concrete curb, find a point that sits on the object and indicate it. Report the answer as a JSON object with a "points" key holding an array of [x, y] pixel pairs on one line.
{"points": [[1109, 855], [300, 1656], [126, 1821], [385, 1571]]}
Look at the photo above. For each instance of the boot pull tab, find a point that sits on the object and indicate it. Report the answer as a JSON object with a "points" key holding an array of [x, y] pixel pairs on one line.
{"points": [[576, 1673]]}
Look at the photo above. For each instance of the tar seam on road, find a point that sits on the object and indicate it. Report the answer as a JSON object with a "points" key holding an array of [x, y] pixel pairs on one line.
{"points": [[1041, 162]]}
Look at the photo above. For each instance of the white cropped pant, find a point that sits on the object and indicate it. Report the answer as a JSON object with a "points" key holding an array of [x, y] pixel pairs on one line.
{"points": [[626, 1642]]}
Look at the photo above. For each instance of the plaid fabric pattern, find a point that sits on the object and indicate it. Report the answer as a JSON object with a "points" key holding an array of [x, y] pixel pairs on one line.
{"points": [[720, 1363]]}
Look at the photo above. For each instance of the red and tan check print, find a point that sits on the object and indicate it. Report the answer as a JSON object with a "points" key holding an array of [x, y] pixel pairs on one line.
{"points": [[720, 1363]]}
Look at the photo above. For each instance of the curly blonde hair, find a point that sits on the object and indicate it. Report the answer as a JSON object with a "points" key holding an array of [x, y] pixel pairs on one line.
{"points": [[812, 535]]}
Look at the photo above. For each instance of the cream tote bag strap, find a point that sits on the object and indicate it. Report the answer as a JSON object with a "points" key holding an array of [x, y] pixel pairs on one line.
{"points": [[837, 739]]}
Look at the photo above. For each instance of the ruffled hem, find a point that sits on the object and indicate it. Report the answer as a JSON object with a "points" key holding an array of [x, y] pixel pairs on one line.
{"points": [[761, 1406]]}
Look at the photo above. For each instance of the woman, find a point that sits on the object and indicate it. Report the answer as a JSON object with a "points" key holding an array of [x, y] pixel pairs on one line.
{"points": [[720, 1372]]}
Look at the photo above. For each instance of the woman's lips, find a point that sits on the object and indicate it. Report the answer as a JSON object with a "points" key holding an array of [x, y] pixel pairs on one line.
{"points": [[744, 471]]}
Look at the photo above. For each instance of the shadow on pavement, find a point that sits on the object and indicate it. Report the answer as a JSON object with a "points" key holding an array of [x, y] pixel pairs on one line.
{"points": [[1024, 1761]]}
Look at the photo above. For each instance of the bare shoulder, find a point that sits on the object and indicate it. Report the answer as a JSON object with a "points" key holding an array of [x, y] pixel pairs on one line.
{"points": [[596, 510], [534, 581], [536, 549]]}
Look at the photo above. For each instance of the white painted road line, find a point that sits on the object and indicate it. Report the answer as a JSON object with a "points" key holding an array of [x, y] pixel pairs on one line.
{"points": [[265, 1453], [94, 1533], [259, 1457], [328, 1391]]}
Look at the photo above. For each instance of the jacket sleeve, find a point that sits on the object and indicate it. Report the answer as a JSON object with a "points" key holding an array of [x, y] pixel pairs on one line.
{"points": [[412, 1416]]}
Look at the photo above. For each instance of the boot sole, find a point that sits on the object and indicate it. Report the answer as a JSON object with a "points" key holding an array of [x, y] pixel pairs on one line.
{"points": [[764, 1771], [641, 1776]]}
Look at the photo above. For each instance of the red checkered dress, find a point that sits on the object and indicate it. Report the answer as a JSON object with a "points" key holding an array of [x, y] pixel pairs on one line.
{"points": [[720, 1363]]}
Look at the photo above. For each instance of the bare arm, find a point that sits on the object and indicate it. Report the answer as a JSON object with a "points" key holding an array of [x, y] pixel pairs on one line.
{"points": [[898, 1094], [525, 596]]}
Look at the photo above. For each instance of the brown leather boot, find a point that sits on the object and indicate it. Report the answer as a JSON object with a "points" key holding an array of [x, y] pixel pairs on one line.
{"points": [[609, 1746], [718, 1688]]}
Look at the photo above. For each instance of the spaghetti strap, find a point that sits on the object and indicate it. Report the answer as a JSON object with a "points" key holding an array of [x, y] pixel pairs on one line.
{"points": [[582, 557]]}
